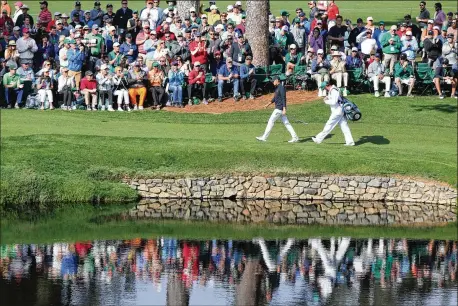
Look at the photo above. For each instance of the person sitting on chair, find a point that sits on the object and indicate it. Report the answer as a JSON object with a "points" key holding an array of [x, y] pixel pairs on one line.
{"points": [[292, 59], [376, 73], [176, 79], [88, 88], [156, 80], [403, 74], [230, 74], [247, 72], [105, 82], [196, 81], [445, 75], [338, 72], [45, 87], [320, 71]]}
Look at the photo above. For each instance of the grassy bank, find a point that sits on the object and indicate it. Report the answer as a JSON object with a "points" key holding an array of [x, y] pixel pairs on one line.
{"points": [[84, 223], [80, 156]]}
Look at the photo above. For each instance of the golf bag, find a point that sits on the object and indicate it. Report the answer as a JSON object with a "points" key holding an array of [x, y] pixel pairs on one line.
{"points": [[351, 111]]}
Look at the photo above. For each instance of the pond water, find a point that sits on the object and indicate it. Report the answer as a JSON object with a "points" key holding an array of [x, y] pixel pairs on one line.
{"points": [[167, 271]]}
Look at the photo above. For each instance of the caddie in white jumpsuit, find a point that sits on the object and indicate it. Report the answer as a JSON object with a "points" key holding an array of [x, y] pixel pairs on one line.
{"points": [[280, 111], [337, 116]]}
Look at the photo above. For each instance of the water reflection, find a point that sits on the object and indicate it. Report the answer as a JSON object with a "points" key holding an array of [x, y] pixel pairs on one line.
{"points": [[338, 271]]}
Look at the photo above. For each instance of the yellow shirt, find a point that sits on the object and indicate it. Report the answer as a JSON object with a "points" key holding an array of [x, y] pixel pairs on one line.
{"points": [[212, 18]]}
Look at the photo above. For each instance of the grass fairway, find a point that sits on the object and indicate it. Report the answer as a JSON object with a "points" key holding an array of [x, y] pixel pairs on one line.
{"points": [[80, 156], [387, 10]]}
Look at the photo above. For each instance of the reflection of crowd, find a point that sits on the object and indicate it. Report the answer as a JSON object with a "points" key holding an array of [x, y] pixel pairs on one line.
{"points": [[205, 263]]}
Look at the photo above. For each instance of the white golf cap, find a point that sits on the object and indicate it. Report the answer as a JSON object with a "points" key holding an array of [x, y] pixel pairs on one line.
{"points": [[116, 44], [292, 46], [213, 7], [57, 14], [78, 26], [370, 18], [64, 15], [393, 27], [354, 49], [409, 33], [219, 26], [112, 28], [168, 20], [203, 16], [103, 67], [230, 7], [238, 3], [58, 22], [336, 53], [320, 51], [192, 9], [24, 6], [430, 21]]}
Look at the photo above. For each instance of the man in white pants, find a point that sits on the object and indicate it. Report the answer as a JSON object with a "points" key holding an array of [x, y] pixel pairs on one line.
{"points": [[376, 73], [337, 116], [280, 111]]}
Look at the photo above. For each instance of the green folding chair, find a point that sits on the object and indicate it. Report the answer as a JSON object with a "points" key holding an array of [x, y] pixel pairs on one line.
{"points": [[424, 78]]}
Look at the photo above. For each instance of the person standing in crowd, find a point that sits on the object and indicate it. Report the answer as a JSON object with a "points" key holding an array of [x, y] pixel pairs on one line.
{"points": [[292, 59], [109, 14], [423, 17], [313, 9], [13, 85], [76, 58], [403, 74], [439, 15], [97, 14], [280, 111], [115, 57], [137, 79], [228, 74], [26, 47], [368, 44], [52, 23], [134, 25], [409, 46], [142, 37], [45, 16], [105, 88], [336, 34], [45, 87], [5, 6], [152, 13], [391, 47], [176, 80], [156, 79], [78, 11], [196, 82], [240, 50], [432, 47], [65, 85], [199, 52], [6, 23], [18, 11], [122, 16], [449, 50], [213, 15], [25, 14], [96, 47], [121, 84], [89, 90], [376, 73], [337, 116]]}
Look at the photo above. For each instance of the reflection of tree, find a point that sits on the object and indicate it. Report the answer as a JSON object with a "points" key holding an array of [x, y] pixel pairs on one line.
{"points": [[177, 294], [249, 291]]}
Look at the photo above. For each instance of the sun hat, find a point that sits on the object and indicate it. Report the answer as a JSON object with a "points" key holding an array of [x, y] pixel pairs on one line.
{"points": [[11, 43]]}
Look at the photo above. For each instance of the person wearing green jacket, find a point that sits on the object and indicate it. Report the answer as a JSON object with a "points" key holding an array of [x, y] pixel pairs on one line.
{"points": [[403, 74], [292, 59], [391, 47]]}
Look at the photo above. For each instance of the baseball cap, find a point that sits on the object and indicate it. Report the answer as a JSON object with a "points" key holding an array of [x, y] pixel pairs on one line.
{"points": [[333, 47], [135, 12], [238, 3], [24, 6], [450, 35], [403, 56], [112, 28], [109, 5], [128, 35], [46, 70], [192, 9], [320, 51], [393, 27], [217, 53], [16, 28], [65, 69], [359, 20], [116, 44], [213, 7], [354, 49], [249, 57], [292, 46], [310, 49], [96, 3], [196, 64], [86, 27], [323, 85], [95, 26], [44, 2], [230, 7], [430, 21], [449, 14], [285, 28], [169, 20], [301, 14], [436, 28], [229, 60], [18, 3], [78, 26], [58, 22], [64, 15], [381, 22], [179, 34], [77, 3], [408, 33], [25, 30], [407, 16], [89, 72], [203, 16], [103, 67], [335, 53], [370, 18], [57, 14]]}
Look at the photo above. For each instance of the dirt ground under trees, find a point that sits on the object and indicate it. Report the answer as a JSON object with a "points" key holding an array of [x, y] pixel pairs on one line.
{"points": [[228, 105]]}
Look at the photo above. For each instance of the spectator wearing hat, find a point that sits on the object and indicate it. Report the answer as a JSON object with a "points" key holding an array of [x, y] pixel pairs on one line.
{"points": [[429, 27], [76, 58], [424, 16], [416, 32], [175, 85], [16, 34], [439, 15], [17, 12], [76, 21], [293, 57], [5, 6], [213, 15], [320, 71], [6, 23], [65, 85], [110, 37], [45, 15], [161, 52], [247, 77], [152, 13], [449, 50], [64, 46], [129, 49], [134, 25], [313, 9], [409, 46], [377, 73], [11, 54], [204, 26], [402, 30], [222, 21], [115, 57], [391, 47], [403, 74], [338, 72], [52, 23], [163, 30], [216, 63], [97, 14], [199, 52], [105, 87], [137, 78], [432, 46], [109, 14], [452, 29], [26, 47], [449, 20], [299, 35], [88, 88], [25, 14], [196, 82], [45, 89], [336, 34], [355, 32], [445, 75], [353, 60], [121, 85], [193, 17], [45, 52], [228, 74], [122, 15], [142, 37], [87, 21], [77, 10], [13, 86], [368, 44], [156, 79], [236, 15], [60, 30], [378, 34]]}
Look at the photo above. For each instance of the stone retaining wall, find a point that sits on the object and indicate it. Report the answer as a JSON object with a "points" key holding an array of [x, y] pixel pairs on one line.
{"points": [[294, 212], [353, 188]]}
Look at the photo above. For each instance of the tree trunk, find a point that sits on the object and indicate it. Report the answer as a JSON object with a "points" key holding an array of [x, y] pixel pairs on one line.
{"points": [[257, 30], [183, 7]]}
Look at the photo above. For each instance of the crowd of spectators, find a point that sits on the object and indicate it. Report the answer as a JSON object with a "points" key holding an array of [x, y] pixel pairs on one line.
{"points": [[126, 59], [122, 264]]}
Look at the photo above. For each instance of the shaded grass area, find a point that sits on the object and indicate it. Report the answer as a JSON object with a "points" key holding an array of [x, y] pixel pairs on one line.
{"points": [[81, 157], [83, 223]]}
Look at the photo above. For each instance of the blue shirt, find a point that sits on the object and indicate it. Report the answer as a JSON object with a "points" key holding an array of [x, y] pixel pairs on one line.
{"points": [[176, 78], [224, 70], [244, 71], [75, 59], [125, 48]]}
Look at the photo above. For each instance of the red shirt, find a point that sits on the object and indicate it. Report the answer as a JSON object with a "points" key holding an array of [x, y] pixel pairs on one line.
{"points": [[140, 36], [45, 17], [161, 34], [333, 11], [50, 25], [201, 56], [86, 84], [192, 78]]}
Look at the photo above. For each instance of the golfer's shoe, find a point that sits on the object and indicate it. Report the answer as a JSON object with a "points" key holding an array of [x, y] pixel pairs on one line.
{"points": [[261, 139], [351, 144], [316, 140], [293, 140]]}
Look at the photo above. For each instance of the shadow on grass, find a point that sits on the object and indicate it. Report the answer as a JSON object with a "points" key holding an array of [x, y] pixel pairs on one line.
{"points": [[309, 138], [375, 139], [445, 108]]}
